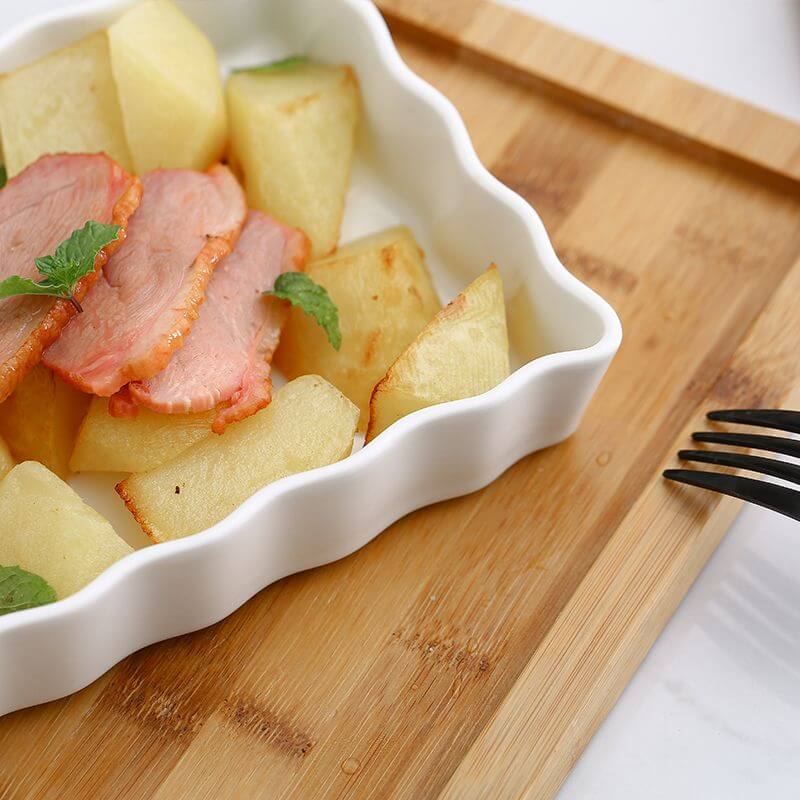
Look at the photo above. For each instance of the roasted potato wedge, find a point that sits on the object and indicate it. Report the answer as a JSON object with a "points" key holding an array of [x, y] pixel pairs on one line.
{"points": [[41, 418], [169, 87], [308, 424], [110, 444], [6, 459], [385, 296], [47, 529], [65, 102], [462, 352], [292, 137]]}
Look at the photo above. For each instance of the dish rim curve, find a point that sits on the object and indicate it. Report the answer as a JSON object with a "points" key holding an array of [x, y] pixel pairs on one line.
{"points": [[601, 351]]}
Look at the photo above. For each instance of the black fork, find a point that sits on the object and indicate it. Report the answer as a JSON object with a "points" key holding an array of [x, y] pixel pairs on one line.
{"points": [[773, 496]]}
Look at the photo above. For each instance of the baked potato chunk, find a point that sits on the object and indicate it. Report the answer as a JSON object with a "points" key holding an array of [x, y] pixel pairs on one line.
{"points": [[6, 459], [47, 529], [462, 352], [110, 444], [169, 86], [385, 296], [65, 102], [308, 424], [41, 419], [292, 136]]}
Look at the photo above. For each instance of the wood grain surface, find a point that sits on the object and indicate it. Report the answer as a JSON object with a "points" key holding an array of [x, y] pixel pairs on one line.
{"points": [[472, 649]]}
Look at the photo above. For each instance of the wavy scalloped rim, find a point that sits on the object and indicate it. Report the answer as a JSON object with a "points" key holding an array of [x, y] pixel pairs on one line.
{"points": [[391, 445]]}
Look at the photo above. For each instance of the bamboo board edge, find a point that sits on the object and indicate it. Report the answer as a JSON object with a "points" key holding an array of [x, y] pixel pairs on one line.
{"points": [[674, 111]]}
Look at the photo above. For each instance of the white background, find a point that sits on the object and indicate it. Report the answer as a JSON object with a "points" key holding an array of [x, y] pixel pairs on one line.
{"points": [[714, 711]]}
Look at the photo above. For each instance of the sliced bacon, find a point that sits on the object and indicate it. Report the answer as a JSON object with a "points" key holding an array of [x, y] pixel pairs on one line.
{"points": [[39, 209], [227, 355], [143, 306]]}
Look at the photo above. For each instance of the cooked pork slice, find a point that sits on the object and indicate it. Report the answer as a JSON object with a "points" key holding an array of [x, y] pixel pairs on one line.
{"points": [[141, 309], [39, 209], [226, 358]]}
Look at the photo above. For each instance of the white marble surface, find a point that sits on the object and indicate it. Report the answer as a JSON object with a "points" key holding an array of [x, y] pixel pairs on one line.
{"points": [[714, 710]]}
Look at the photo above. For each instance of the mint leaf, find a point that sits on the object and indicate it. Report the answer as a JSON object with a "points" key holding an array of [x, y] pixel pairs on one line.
{"points": [[73, 259], [3, 175], [282, 65], [301, 291], [75, 256], [20, 589], [16, 285]]}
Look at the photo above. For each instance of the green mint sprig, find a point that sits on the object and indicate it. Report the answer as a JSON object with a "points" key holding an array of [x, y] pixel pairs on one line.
{"points": [[62, 271], [281, 65], [20, 589], [301, 291]]}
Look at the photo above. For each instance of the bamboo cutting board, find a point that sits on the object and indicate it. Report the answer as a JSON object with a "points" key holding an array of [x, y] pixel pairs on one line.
{"points": [[471, 651]]}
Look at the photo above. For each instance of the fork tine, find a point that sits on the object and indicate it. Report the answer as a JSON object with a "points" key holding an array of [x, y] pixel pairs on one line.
{"points": [[762, 417], [766, 466], [774, 444], [769, 495]]}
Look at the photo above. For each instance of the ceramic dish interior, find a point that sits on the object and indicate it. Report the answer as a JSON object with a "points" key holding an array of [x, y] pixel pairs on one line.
{"points": [[416, 166]]}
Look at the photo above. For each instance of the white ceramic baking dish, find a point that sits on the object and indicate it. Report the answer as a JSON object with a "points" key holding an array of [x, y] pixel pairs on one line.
{"points": [[415, 165]]}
